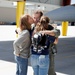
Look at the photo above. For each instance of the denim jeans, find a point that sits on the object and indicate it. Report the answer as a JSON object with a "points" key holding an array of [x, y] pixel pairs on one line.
{"points": [[40, 64], [22, 65]]}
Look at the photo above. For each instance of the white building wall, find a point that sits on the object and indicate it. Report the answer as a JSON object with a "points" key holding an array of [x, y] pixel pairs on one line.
{"points": [[7, 14]]}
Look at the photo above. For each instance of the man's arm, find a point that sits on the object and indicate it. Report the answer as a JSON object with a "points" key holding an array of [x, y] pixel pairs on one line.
{"points": [[56, 32]]}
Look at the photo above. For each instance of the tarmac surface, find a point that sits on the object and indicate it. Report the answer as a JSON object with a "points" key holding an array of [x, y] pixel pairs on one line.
{"points": [[64, 60]]}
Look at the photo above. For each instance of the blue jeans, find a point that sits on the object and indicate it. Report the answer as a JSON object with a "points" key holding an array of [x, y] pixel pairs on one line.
{"points": [[22, 65], [40, 64]]}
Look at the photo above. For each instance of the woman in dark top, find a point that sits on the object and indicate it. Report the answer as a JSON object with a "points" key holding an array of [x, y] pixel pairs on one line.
{"points": [[40, 47]]}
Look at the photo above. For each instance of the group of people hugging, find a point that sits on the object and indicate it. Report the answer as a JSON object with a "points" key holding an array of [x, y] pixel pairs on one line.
{"points": [[34, 40]]}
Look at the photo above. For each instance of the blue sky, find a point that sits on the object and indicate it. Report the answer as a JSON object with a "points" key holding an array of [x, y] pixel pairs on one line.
{"points": [[72, 1]]}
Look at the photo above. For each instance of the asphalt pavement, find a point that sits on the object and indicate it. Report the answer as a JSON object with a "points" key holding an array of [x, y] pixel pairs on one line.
{"points": [[64, 60]]}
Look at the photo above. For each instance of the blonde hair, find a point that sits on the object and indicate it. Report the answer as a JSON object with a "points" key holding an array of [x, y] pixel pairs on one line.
{"points": [[39, 27], [24, 22]]}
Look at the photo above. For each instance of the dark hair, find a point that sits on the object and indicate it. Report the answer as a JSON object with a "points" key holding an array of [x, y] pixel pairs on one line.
{"points": [[39, 12], [44, 20]]}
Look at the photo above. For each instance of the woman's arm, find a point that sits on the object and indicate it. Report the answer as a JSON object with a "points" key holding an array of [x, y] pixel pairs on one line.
{"points": [[54, 32], [47, 32]]}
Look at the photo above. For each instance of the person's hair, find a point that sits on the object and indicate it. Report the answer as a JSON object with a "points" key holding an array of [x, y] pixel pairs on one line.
{"points": [[39, 27], [44, 20], [24, 22], [39, 12]]}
